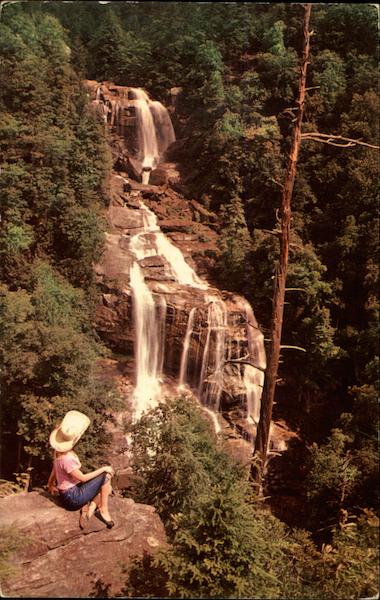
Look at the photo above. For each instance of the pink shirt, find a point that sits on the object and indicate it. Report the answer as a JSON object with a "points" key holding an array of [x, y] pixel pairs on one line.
{"points": [[64, 465]]}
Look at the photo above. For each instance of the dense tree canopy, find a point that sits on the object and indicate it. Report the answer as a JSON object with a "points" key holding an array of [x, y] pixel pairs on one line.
{"points": [[54, 165]]}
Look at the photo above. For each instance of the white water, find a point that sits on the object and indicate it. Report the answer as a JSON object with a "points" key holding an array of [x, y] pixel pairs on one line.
{"points": [[154, 127], [155, 131], [161, 316], [214, 418], [147, 387], [155, 135], [254, 378], [160, 245], [210, 381], [148, 145], [164, 128], [186, 345], [149, 315]]}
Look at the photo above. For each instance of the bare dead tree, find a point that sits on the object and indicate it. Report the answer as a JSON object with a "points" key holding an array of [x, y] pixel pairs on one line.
{"points": [[283, 233], [262, 437]]}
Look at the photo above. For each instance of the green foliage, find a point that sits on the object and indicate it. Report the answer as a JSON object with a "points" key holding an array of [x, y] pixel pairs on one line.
{"points": [[223, 545], [173, 457], [52, 153], [332, 476], [48, 358], [54, 169], [234, 244], [115, 54], [329, 70], [218, 544], [224, 549], [344, 568]]}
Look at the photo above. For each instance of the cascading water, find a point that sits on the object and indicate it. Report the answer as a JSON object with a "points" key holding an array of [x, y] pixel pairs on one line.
{"points": [[254, 378], [186, 345], [149, 315], [146, 343], [160, 245], [207, 343], [210, 381], [163, 124], [155, 130], [148, 145]]}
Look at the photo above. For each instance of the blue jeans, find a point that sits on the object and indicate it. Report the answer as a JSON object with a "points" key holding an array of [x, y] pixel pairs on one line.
{"points": [[81, 493]]}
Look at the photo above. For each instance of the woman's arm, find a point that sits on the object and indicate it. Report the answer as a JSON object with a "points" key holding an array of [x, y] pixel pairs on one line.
{"points": [[52, 482], [77, 473]]}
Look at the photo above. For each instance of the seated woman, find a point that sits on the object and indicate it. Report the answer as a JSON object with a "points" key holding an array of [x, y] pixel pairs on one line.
{"points": [[88, 492]]}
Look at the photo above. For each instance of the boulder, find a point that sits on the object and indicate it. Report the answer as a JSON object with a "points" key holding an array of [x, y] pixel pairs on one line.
{"points": [[125, 218], [133, 167], [59, 560], [158, 176]]}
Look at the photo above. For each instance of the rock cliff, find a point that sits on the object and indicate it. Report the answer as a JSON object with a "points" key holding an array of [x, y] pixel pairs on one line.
{"points": [[180, 303], [206, 338], [59, 560]]}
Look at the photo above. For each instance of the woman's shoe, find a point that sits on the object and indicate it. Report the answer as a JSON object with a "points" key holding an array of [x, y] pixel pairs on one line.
{"points": [[99, 516]]}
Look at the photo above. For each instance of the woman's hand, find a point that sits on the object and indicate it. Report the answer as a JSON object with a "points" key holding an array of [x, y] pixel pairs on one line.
{"points": [[109, 469], [52, 489]]}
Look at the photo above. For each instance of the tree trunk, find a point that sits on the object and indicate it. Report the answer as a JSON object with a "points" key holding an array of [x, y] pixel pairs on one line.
{"points": [[262, 438]]}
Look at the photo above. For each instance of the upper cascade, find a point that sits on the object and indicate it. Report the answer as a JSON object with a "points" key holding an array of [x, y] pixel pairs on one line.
{"points": [[123, 108]]}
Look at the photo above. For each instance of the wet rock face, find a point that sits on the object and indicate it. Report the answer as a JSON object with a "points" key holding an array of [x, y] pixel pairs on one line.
{"points": [[201, 332], [59, 560], [115, 323]]}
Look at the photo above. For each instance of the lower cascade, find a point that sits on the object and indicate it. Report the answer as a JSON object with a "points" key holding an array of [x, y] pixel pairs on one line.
{"points": [[208, 347], [206, 339]]}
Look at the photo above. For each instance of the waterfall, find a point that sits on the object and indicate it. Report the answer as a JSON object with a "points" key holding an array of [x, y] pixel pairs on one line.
{"points": [[164, 128], [147, 387], [161, 315], [155, 130], [150, 322], [148, 145], [150, 314], [186, 345], [207, 342], [254, 378], [210, 381], [162, 246]]}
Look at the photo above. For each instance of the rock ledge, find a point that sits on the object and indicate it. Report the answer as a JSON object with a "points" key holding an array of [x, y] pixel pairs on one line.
{"points": [[60, 560]]}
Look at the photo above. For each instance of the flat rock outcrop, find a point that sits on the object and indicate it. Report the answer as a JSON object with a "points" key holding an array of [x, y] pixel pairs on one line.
{"points": [[59, 560]]}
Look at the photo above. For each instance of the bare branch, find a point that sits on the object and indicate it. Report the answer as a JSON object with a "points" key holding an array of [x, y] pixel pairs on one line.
{"points": [[330, 139], [239, 361], [276, 182], [275, 232], [294, 348], [252, 325]]}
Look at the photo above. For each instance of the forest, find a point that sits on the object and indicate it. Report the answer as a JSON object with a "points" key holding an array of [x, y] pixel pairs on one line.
{"points": [[237, 66]]}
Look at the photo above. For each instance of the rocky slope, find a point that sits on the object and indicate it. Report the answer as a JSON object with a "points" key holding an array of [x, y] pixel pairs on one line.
{"points": [[59, 560], [220, 326], [194, 230]]}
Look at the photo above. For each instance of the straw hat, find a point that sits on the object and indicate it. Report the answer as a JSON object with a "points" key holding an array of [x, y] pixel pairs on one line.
{"points": [[65, 436]]}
